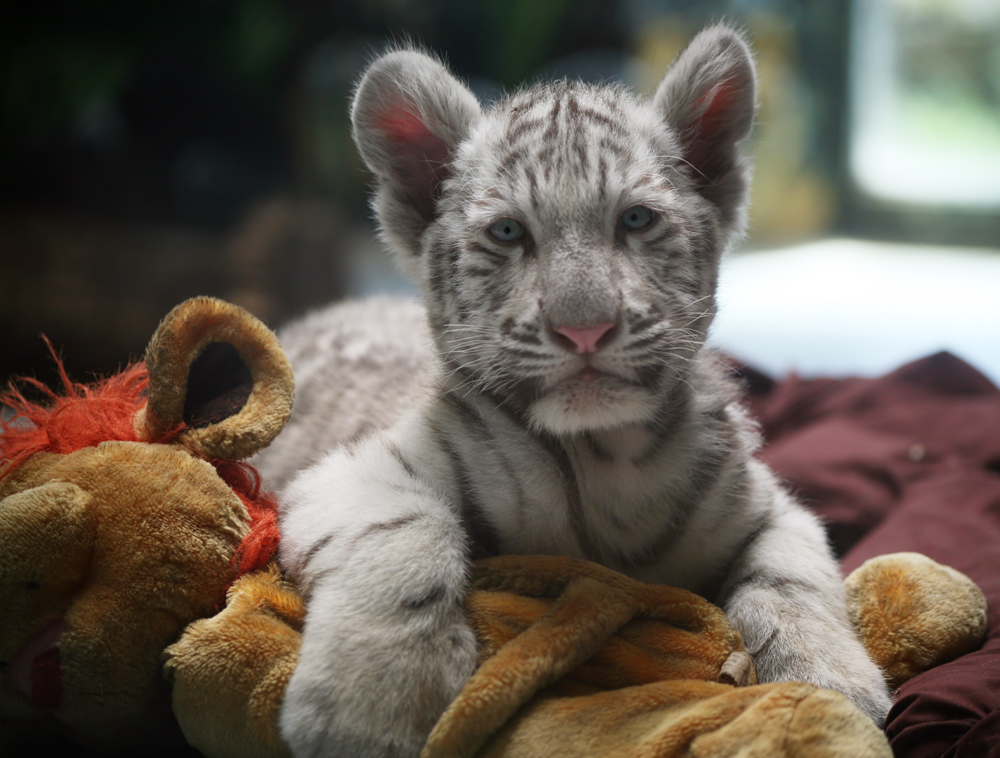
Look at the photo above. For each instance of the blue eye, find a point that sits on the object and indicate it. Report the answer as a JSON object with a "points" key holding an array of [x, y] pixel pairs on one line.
{"points": [[637, 217], [506, 230]]}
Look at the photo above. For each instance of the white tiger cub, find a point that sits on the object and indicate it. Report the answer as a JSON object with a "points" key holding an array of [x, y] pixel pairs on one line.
{"points": [[566, 242]]}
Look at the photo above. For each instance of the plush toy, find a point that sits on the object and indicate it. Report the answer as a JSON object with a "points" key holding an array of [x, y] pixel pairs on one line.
{"points": [[124, 516], [581, 662]]}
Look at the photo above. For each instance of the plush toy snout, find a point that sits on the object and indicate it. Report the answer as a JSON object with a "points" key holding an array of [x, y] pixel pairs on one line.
{"points": [[117, 548], [39, 583]]}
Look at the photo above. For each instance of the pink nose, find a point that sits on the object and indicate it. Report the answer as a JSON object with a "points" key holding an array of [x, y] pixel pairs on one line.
{"points": [[585, 338]]}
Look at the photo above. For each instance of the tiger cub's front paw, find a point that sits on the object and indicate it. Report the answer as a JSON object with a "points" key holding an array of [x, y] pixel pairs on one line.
{"points": [[379, 700]]}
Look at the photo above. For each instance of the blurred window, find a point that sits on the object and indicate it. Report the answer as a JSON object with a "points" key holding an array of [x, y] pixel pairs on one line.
{"points": [[925, 92]]}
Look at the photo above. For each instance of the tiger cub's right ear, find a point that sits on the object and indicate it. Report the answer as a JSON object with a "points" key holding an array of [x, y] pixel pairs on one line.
{"points": [[409, 116]]}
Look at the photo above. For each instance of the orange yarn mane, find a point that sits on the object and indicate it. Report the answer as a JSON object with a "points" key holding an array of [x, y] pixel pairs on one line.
{"points": [[86, 415]]}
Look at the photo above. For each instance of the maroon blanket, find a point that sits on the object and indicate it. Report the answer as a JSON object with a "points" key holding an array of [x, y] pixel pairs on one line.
{"points": [[909, 461]]}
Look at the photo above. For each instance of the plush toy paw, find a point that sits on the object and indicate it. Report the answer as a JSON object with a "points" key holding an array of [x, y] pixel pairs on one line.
{"points": [[230, 672], [912, 613]]}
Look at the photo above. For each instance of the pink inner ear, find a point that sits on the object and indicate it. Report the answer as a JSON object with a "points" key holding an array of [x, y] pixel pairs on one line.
{"points": [[721, 98], [402, 125], [419, 157]]}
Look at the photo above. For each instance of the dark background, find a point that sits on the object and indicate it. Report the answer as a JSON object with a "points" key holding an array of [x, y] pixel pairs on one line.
{"points": [[157, 150]]}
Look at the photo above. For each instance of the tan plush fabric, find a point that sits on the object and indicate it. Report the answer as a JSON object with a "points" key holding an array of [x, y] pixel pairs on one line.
{"points": [[581, 661], [182, 337], [111, 551], [913, 613], [229, 672], [688, 718], [128, 543], [577, 662]]}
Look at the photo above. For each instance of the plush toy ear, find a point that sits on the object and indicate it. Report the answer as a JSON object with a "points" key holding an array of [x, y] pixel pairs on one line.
{"points": [[409, 116], [219, 373], [708, 97]]}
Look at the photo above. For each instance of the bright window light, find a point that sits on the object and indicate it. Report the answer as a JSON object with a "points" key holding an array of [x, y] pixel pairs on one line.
{"points": [[925, 101]]}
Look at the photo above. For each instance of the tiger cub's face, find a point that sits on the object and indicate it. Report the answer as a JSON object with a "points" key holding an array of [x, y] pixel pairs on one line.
{"points": [[567, 240]]}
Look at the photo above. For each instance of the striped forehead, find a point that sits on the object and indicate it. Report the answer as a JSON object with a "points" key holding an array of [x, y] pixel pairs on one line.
{"points": [[569, 143]]}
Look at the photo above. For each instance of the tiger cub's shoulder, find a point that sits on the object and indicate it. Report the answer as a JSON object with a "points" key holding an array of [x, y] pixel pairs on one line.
{"points": [[359, 366]]}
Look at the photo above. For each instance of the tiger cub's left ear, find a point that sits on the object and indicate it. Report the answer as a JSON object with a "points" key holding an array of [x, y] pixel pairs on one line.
{"points": [[709, 98], [220, 375]]}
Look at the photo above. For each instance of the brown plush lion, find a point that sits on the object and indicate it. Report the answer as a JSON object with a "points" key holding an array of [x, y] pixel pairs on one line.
{"points": [[124, 516]]}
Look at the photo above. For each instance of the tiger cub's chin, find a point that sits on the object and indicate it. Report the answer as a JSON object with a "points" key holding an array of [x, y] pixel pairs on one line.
{"points": [[583, 406]]}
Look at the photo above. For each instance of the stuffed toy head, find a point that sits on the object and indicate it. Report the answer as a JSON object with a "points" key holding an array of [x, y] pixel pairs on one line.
{"points": [[124, 516]]}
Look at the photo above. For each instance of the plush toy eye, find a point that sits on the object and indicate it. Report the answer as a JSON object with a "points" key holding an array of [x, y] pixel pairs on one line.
{"points": [[637, 217], [506, 230]]}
